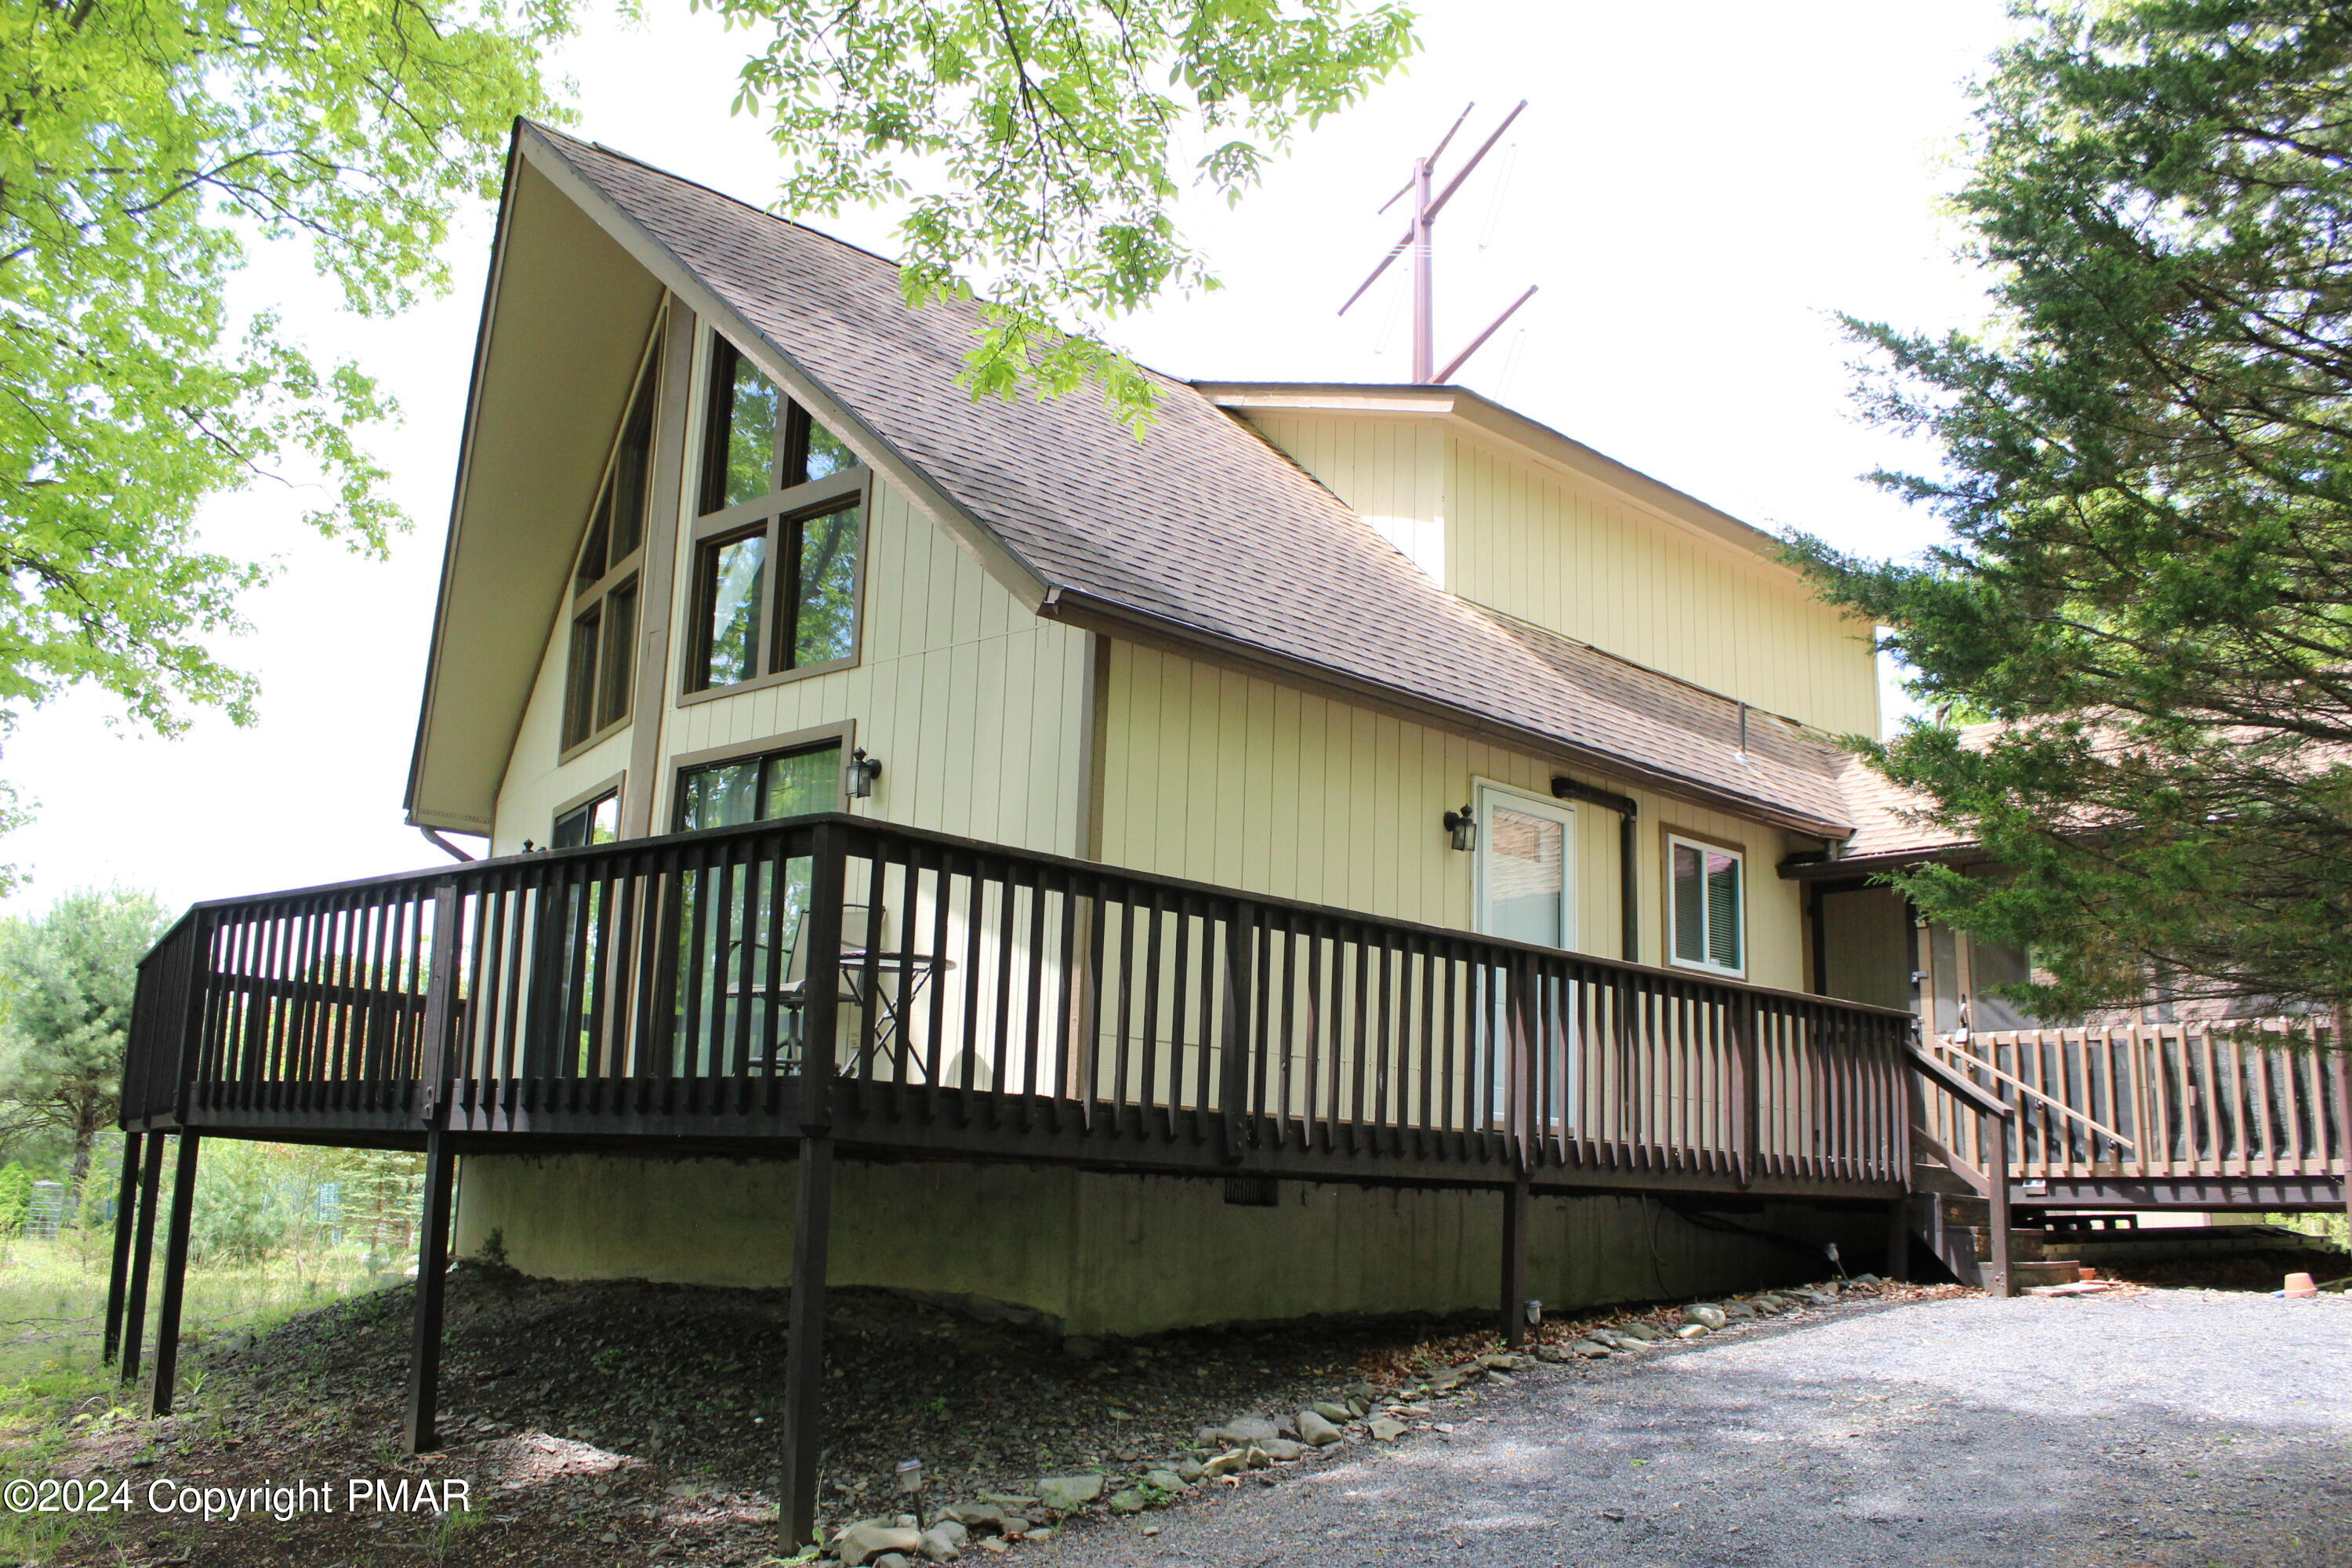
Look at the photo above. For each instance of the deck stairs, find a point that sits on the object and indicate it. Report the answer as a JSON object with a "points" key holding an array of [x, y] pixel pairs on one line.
{"points": [[1949, 1217]]}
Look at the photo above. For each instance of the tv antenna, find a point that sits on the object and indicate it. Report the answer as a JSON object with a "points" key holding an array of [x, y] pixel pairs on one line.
{"points": [[1425, 208]]}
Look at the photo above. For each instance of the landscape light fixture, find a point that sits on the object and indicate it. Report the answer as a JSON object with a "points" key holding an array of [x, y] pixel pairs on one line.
{"points": [[911, 1475], [1462, 827], [863, 771]]}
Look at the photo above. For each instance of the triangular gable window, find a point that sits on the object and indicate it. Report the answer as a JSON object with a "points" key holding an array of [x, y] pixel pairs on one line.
{"points": [[602, 666]]}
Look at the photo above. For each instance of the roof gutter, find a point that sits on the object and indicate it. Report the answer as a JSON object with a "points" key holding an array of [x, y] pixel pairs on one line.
{"points": [[1075, 607]]}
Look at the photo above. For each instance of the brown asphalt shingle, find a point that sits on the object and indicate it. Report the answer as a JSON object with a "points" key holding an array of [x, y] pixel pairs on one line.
{"points": [[1201, 526]]}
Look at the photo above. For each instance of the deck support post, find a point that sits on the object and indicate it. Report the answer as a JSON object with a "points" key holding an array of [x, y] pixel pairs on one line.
{"points": [[126, 1216], [803, 1422], [1898, 1241], [176, 1275], [1515, 1263], [1997, 1221], [142, 1251], [432, 1278]]}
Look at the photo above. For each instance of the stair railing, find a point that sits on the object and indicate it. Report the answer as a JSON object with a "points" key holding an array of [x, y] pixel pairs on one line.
{"points": [[1993, 1117]]}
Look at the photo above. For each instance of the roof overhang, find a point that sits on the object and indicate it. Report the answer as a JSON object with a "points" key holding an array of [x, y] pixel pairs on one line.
{"points": [[563, 319]]}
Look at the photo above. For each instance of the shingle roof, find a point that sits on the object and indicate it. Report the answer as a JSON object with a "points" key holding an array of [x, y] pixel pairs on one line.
{"points": [[1200, 528]]}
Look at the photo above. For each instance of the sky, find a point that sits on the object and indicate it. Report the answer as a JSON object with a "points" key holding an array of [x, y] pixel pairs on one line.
{"points": [[1694, 190]]}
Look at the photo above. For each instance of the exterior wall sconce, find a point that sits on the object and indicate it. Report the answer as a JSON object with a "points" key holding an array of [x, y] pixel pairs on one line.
{"points": [[863, 771], [1462, 826]]}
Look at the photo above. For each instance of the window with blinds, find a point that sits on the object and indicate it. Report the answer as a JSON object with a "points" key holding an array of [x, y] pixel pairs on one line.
{"points": [[1705, 906]]}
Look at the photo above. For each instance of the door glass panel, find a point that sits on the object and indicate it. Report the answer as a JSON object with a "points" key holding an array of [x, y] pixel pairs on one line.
{"points": [[598, 822], [803, 782], [721, 796], [1526, 877]]}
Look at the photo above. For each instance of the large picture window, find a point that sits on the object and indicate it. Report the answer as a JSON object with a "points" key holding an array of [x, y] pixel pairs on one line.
{"points": [[781, 539], [600, 671], [1705, 906]]}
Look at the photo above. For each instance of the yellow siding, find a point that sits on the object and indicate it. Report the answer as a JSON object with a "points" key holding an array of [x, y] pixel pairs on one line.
{"points": [[1576, 559], [1571, 554], [974, 704], [1390, 471], [1231, 779]]}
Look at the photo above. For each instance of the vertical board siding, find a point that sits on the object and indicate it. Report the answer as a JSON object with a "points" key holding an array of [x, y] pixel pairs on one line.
{"points": [[1589, 564], [1581, 559], [1223, 777], [974, 704]]}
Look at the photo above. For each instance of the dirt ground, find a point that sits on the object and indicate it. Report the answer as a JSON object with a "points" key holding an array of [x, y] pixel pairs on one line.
{"points": [[601, 1425], [632, 1426]]}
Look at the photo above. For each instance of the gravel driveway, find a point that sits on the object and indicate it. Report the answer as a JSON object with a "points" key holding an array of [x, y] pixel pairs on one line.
{"points": [[2153, 1427]]}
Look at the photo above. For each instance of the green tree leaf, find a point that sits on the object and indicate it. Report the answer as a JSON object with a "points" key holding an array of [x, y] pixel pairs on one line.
{"points": [[2147, 479], [1039, 146]]}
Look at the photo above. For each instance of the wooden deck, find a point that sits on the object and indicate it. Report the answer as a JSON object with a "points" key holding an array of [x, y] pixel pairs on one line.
{"points": [[827, 985], [1006, 1004]]}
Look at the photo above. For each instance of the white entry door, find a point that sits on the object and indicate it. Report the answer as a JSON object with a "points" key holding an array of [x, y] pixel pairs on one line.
{"points": [[1527, 863], [1527, 892]]}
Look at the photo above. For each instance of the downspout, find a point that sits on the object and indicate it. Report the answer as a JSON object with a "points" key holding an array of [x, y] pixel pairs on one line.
{"points": [[1629, 885], [434, 835]]}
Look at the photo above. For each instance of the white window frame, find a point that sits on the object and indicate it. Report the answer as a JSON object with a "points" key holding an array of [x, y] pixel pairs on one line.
{"points": [[1487, 793], [1705, 846]]}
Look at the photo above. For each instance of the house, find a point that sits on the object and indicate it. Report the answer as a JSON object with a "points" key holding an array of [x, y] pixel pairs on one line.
{"points": [[727, 523], [1351, 849]]}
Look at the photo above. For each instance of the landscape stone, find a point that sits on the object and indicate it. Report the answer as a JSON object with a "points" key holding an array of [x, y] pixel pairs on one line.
{"points": [[1386, 1430], [1246, 1429], [1363, 1391], [1337, 1415], [891, 1559], [1357, 1406], [1281, 1449], [1315, 1429], [1738, 1309], [1643, 1332], [1164, 1481], [944, 1541], [1189, 1470], [1129, 1501], [1226, 1463], [1704, 1313], [870, 1538], [1691, 1331], [1589, 1348], [1554, 1353], [1508, 1361], [1067, 1494]]}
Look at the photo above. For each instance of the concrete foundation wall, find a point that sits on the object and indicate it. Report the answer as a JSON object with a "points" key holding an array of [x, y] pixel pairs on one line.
{"points": [[1109, 1254]]}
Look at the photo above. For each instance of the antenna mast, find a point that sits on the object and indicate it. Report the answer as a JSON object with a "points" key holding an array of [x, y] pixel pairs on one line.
{"points": [[1425, 208]]}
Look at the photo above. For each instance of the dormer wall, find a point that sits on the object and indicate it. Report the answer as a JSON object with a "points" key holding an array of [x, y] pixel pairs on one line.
{"points": [[1497, 525]]}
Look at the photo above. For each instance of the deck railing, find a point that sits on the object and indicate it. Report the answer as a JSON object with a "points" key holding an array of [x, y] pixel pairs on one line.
{"points": [[2202, 1099], [680, 985]]}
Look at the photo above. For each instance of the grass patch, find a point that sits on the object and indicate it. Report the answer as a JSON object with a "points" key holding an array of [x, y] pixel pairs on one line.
{"points": [[55, 1392]]}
